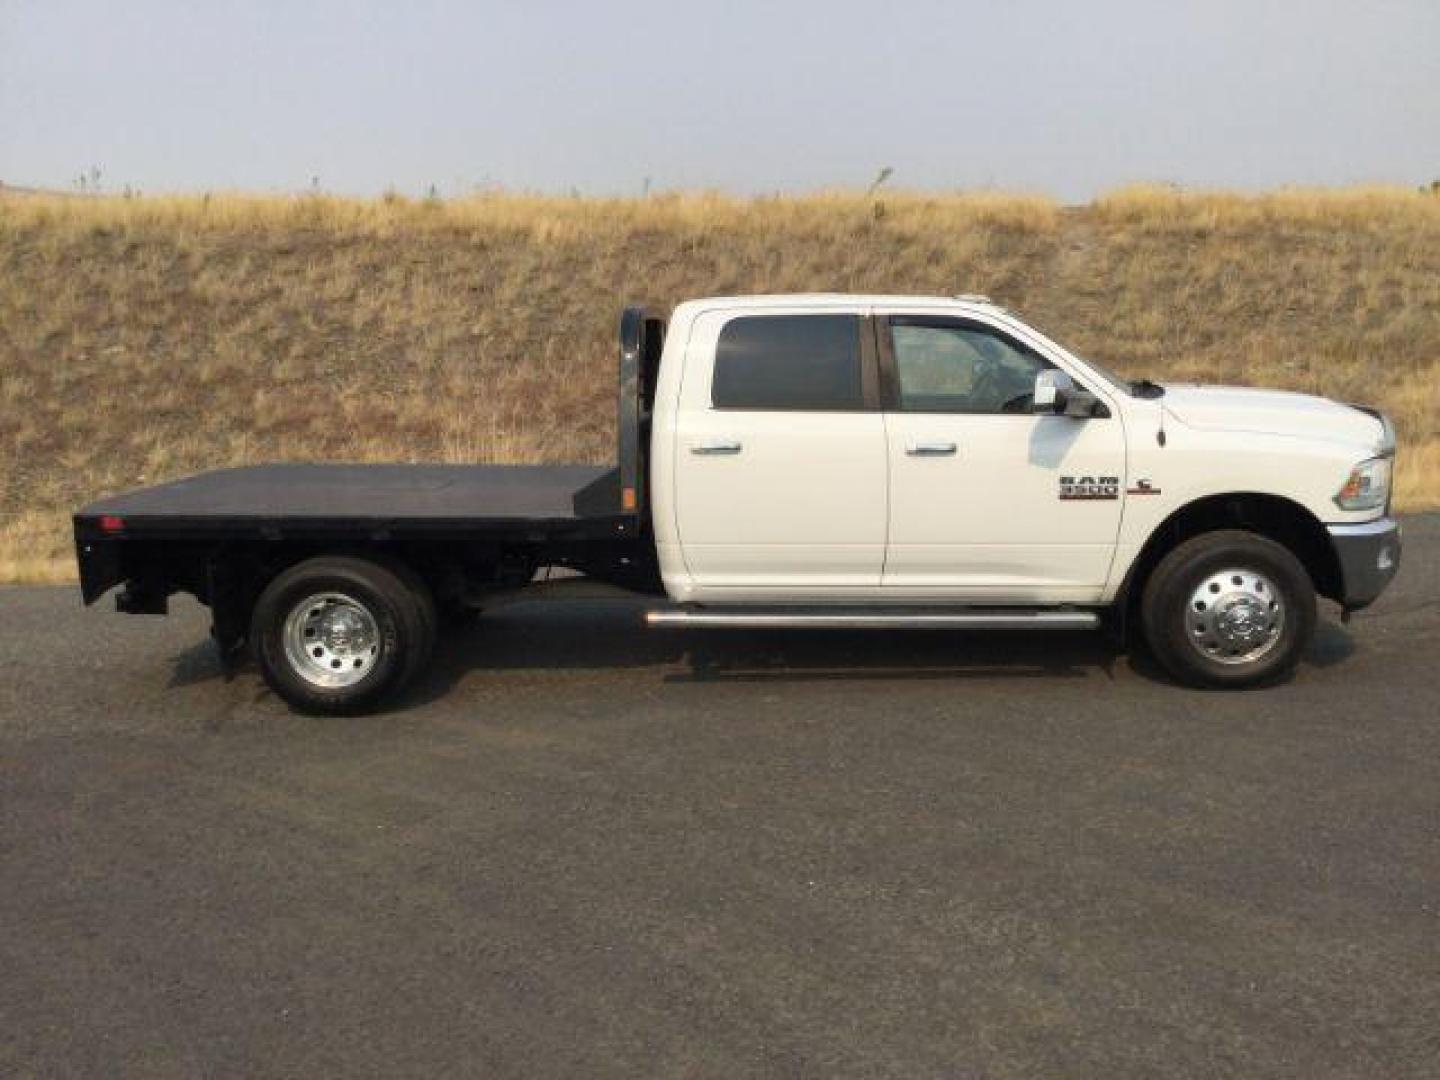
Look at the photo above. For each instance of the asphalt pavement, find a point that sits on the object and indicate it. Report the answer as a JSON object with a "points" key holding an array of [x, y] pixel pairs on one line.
{"points": [[583, 848]]}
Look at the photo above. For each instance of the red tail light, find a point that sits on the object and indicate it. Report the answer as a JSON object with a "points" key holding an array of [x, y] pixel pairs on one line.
{"points": [[111, 524]]}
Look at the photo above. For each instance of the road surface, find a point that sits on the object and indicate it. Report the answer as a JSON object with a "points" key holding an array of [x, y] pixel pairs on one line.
{"points": [[587, 849]]}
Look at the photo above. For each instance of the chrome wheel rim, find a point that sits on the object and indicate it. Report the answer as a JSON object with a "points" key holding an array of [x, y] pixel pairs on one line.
{"points": [[331, 640], [1235, 616]]}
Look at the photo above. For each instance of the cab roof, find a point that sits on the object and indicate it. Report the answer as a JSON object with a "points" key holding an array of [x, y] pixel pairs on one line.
{"points": [[842, 300]]}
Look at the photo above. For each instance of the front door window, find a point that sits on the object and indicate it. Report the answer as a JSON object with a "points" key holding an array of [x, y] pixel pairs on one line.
{"points": [[962, 369]]}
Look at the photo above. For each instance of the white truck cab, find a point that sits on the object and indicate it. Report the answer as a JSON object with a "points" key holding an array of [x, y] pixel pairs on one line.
{"points": [[864, 452], [806, 461]]}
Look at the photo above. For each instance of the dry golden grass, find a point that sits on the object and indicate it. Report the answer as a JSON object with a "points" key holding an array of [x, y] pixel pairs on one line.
{"points": [[1165, 209], [142, 339]]}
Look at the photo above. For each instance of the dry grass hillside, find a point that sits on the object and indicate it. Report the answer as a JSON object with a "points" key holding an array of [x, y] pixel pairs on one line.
{"points": [[141, 339]]}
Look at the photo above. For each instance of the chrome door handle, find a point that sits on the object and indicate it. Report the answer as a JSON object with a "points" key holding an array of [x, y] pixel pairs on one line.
{"points": [[929, 449], [716, 446]]}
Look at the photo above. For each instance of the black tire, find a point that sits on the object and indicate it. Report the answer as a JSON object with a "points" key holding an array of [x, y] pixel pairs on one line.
{"points": [[402, 618], [423, 596], [1193, 646]]}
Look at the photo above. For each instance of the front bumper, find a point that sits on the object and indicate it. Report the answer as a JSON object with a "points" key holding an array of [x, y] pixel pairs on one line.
{"points": [[1368, 555]]}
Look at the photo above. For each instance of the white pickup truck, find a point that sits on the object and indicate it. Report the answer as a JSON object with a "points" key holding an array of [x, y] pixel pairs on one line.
{"points": [[807, 461]]}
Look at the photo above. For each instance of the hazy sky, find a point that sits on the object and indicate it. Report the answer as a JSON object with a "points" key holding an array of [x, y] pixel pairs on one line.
{"points": [[745, 95]]}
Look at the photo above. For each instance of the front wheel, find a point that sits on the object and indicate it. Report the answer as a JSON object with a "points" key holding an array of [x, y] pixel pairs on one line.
{"points": [[338, 635], [1229, 609]]}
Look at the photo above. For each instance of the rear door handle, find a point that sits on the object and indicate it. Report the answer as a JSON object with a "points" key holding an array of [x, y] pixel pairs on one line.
{"points": [[929, 449], [716, 446]]}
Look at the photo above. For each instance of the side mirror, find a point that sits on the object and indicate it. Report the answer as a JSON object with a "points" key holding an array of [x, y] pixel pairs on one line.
{"points": [[1057, 395], [1052, 388]]}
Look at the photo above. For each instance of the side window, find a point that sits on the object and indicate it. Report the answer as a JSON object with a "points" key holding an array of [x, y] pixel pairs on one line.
{"points": [[961, 368], [788, 362]]}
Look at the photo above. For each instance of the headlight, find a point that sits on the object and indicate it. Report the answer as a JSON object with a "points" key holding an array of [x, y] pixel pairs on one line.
{"points": [[1368, 486]]}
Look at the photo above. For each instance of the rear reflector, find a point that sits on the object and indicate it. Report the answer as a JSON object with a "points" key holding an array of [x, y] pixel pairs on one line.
{"points": [[627, 498], [111, 524]]}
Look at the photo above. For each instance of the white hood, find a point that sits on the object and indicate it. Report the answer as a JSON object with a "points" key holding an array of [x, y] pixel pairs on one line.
{"points": [[1275, 412]]}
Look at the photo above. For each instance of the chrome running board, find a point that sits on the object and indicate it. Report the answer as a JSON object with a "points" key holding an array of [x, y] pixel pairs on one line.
{"points": [[873, 620]]}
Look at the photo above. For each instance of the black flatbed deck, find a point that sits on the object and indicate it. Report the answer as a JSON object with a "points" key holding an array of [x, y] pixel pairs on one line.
{"points": [[220, 534], [368, 497]]}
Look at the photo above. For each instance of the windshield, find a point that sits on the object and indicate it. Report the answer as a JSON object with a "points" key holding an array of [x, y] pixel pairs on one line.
{"points": [[1135, 389]]}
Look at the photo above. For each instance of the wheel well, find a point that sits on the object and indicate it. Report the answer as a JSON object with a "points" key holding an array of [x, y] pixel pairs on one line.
{"points": [[236, 575], [1287, 523]]}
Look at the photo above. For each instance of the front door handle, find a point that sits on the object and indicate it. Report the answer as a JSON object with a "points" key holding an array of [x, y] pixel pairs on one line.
{"points": [[929, 449], [716, 446]]}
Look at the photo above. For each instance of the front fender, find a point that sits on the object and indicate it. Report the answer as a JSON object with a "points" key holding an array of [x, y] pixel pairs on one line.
{"points": [[1191, 467]]}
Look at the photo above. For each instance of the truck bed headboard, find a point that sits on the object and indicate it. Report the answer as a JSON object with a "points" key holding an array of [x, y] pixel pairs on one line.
{"points": [[642, 337]]}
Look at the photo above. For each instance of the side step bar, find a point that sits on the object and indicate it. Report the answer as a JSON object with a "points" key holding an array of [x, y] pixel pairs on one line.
{"points": [[874, 620]]}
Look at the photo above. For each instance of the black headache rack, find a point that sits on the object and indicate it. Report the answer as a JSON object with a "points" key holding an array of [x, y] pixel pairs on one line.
{"points": [[623, 488], [172, 537]]}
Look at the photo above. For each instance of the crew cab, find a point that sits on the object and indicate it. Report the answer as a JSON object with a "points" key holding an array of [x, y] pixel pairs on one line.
{"points": [[807, 461]]}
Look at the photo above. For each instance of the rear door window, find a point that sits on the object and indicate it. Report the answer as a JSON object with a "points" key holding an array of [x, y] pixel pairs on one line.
{"points": [[774, 362]]}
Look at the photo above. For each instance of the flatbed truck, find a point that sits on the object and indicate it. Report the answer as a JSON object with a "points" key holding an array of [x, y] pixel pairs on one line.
{"points": [[805, 461]]}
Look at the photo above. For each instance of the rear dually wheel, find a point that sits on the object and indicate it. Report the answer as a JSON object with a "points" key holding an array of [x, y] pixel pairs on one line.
{"points": [[339, 635]]}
